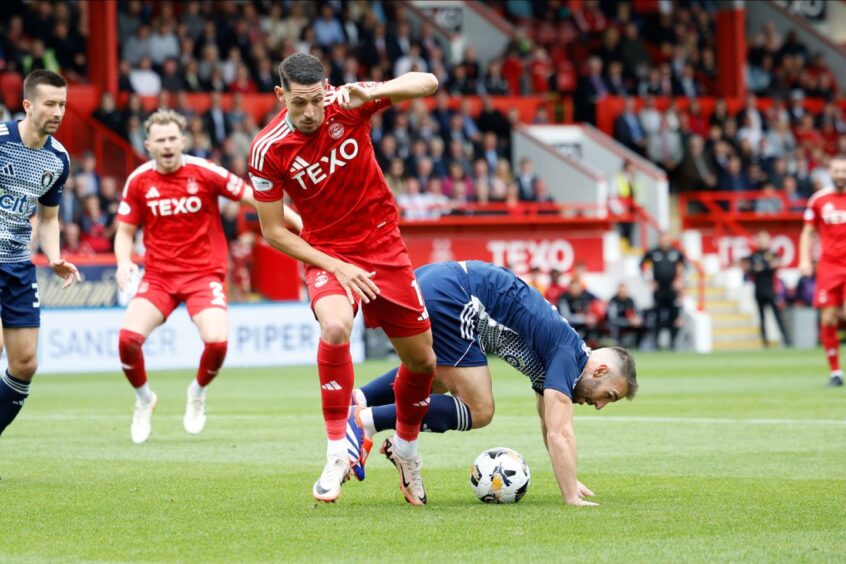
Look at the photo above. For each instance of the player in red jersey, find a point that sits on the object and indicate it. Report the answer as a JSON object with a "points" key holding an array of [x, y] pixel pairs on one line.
{"points": [[174, 199], [826, 214], [318, 150]]}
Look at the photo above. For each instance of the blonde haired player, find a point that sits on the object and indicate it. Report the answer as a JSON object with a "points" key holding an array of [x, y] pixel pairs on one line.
{"points": [[174, 199]]}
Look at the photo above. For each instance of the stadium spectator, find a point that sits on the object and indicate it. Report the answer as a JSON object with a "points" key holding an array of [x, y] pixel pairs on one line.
{"points": [[624, 198], [591, 89], [623, 318], [217, 120], [172, 79], [138, 45], [628, 129], [770, 202], [144, 80], [96, 230], [696, 171], [135, 134], [108, 114], [664, 147], [576, 305], [494, 83], [760, 268], [87, 179], [163, 44], [526, 180]]}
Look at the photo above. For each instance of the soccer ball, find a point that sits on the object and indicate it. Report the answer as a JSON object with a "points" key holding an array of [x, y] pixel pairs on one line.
{"points": [[500, 475]]}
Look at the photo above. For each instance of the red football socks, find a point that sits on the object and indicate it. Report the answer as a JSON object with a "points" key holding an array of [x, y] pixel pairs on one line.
{"points": [[831, 346], [132, 357], [412, 392], [211, 361], [335, 370]]}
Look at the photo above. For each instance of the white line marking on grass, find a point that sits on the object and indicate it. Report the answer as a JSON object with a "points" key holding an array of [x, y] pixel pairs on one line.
{"points": [[710, 420], [580, 419]]}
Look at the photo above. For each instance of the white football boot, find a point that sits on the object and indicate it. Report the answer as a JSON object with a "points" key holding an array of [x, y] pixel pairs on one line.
{"points": [[328, 487], [142, 418], [195, 412]]}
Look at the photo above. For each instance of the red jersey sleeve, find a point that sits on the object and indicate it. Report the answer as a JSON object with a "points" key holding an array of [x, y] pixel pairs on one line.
{"points": [[268, 185], [370, 108], [130, 208], [224, 182]]}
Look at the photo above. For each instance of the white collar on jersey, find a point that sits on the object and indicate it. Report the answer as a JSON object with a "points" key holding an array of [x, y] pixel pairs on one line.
{"points": [[289, 123]]}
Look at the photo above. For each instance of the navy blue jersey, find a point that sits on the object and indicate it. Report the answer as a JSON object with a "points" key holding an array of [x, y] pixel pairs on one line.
{"points": [[27, 177], [515, 322]]}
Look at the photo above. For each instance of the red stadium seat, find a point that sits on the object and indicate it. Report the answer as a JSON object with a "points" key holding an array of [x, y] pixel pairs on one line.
{"points": [[11, 87]]}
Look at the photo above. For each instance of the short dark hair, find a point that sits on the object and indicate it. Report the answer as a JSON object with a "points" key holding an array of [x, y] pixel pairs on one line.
{"points": [[627, 369], [301, 68], [38, 77]]}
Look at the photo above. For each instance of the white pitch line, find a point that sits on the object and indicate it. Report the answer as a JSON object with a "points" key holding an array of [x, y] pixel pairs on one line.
{"points": [[710, 420], [579, 419]]}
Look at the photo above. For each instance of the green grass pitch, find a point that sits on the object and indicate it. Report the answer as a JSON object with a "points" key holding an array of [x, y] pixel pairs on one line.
{"points": [[726, 457]]}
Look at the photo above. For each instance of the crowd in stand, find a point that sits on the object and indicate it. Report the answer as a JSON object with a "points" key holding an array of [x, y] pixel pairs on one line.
{"points": [[448, 160]]}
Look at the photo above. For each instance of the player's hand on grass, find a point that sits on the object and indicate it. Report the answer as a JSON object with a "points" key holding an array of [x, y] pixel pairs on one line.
{"points": [[356, 282], [67, 271], [352, 96], [125, 273], [584, 491], [579, 502]]}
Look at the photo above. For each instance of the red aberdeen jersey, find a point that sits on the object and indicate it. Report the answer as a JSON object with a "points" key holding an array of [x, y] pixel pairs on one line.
{"points": [[331, 175], [180, 216], [826, 211]]}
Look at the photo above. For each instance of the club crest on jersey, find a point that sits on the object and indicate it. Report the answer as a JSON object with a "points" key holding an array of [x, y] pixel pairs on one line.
{"points": [[321, 280], [192, 186], [336, 130], [832, 215], [47, 178]]}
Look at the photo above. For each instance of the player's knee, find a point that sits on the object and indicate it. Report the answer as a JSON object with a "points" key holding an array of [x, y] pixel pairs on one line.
{"points": [[129, 343], [482, 413], [23, 367], [828, 317], [335, 331], [422, 363]]}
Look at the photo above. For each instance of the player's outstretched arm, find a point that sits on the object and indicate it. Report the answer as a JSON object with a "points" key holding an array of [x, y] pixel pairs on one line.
{"points": [[806, 241], [124, 239], [561, 444], [357, 282], [48, 237], [293, 221], [405, 87]]}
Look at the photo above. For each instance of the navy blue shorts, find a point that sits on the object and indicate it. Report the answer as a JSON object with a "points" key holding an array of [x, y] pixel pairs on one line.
{"points": [[446, 290], [19, 303]]}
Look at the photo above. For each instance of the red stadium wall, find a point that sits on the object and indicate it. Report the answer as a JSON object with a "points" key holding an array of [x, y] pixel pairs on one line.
{"points": [[516, 244]]}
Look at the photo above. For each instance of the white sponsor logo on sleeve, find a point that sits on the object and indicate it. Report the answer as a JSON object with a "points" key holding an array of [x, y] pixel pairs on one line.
{"points": [[260, 184], [124, 209]]}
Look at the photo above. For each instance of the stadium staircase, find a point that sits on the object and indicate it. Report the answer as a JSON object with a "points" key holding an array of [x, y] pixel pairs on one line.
{"points": [[732, 328]]}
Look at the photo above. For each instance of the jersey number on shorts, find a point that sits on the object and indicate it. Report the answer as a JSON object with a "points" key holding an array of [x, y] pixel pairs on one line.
{"points": [[219, 297], [425, 314], [37, 302]]}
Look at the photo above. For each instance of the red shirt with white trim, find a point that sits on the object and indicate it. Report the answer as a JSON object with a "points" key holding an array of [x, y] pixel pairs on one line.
{"points": [[180, 216], [331, 175], [826, 211]]}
